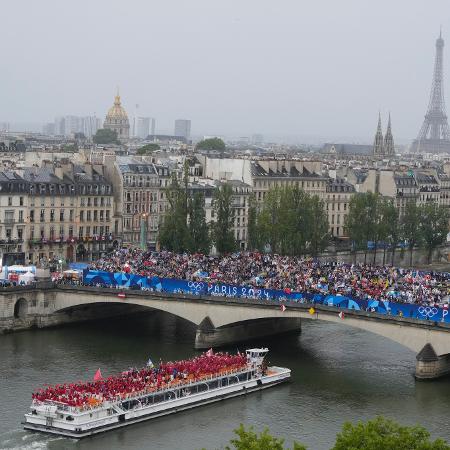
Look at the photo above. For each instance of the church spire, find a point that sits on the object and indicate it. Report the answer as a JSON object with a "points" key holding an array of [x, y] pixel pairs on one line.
{"points": [[389, 139], [378, 143]]}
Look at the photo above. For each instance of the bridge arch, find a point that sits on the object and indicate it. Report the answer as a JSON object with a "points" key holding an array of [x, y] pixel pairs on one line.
{"points": [[20, 308], [223, 313]]}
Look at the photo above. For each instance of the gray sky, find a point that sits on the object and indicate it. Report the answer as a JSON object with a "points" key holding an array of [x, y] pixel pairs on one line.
{"points": [[295, 68]]}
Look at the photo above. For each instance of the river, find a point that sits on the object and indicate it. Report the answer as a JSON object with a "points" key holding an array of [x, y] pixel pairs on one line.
{"points": [[339, 374]]}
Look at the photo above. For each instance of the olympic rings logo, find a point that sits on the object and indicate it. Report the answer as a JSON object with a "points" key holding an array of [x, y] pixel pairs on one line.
{"points": [[428, 311], [195, 286]]}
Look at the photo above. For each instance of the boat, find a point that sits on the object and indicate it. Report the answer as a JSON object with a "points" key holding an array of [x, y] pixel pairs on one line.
{"points": [[86, 408]]}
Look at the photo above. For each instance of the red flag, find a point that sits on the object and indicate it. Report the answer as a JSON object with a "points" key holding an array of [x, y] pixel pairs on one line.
{"points": [[98, 375], [341, 315], [121, 295], [283, 308]]}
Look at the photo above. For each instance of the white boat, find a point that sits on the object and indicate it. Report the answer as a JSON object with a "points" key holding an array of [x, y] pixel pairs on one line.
{"points": [[61, 419]]}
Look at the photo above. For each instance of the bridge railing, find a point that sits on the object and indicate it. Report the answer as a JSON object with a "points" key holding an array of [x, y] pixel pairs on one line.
{"points": [[308, 306]]}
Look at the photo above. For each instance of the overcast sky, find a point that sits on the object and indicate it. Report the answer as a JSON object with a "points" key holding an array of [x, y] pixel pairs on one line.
{"points": [[317, 68]]}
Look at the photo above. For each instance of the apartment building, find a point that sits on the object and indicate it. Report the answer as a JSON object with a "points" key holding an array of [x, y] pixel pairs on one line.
{"points": [[140, 197]]}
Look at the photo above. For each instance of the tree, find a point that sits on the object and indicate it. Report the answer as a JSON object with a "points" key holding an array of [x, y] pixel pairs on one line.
{"points": [[410, 227], [149, 148], [319, 238], [248, 439], [173, 232], [211, 144], [268, 221], [105, 136], [199, 240], [433, 227], [385, 434], [390, 226], [362, 220], [223, 234], [252, 224]]}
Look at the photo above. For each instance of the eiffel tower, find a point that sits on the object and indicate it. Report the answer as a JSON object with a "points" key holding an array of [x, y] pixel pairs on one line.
{"points": [[434, 136]]}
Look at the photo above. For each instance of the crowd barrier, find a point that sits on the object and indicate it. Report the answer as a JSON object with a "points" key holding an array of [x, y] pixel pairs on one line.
{"points": [[176, 286]]}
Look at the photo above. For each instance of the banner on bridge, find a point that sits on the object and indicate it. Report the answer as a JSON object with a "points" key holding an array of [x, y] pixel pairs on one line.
{"points": [[177, 286]]}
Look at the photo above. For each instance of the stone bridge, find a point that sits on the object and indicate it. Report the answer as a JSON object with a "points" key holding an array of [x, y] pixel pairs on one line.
{"points": [[220, 320]]}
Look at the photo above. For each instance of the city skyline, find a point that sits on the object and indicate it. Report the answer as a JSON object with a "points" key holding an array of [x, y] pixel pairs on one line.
{"points": [[259, 71]]}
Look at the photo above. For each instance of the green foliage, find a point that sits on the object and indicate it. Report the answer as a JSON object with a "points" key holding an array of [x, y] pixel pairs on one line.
{"points": [[199, 240], [105, 136], [362, 219], [390, 229], [222, 228], [174, 232], [318, 237], [252, 226], [248, 439], [410, 226], [433, 227], [292, 222], [376, 434], [211, 144], [149, 148], [384, 434]]}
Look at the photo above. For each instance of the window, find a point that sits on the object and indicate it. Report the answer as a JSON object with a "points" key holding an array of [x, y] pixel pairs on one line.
{"points": [[71, 231], [42, 216], [32, 233], [9, 216], [52, 215], [95, 201], [88, 231], [8, 233], [102, 218], [9, 201], [61, 215], [81, 216], [20, 233], [31, 215], [21, 216], [88, 216], [71, 215], [21, 201], [80, 232], [95, 216]]}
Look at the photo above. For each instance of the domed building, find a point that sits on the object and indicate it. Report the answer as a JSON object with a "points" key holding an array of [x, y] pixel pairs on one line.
{"points": [[117, 120]]}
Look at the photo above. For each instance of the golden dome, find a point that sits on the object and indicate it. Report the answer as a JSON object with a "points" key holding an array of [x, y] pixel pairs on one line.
{"points": [[117, 111]]}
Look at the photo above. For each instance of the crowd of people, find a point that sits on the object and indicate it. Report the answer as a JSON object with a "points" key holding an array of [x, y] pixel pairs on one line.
{"points": [[135, 382], [360, 281]]}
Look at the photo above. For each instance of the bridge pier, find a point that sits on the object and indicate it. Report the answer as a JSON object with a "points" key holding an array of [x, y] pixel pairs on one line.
{"points": [[208, 336], [429, 365]]}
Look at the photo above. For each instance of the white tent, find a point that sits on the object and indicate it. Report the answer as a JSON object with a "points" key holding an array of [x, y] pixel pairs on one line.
{"points": [[26, 278]]}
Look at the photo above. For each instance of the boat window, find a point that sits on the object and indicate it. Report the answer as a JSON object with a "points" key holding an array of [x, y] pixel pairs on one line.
{"points": [[69, 418]]}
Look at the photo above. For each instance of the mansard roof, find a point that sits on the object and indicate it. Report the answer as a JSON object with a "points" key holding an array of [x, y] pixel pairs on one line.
{"points": [[258, 171]]}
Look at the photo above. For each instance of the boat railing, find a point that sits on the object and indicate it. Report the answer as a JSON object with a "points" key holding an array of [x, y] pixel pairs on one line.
{"points": [[174, 384]]}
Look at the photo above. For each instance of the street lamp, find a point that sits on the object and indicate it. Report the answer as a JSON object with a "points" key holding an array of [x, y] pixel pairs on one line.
{"points": [[143, 243]]}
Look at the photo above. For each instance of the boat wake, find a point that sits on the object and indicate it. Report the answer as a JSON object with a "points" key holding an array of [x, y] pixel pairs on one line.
{"points": [[19, 439]]}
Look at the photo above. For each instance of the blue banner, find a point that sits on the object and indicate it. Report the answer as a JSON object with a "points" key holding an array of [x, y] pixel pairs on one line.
{"points": [[177, 286]]}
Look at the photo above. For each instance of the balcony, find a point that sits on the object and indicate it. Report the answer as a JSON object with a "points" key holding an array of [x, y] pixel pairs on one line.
{"points": [[9, 221], [6, 242]]}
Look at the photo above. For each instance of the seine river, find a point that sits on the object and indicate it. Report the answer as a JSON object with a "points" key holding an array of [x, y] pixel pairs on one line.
{"points": [[339, 374]]}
